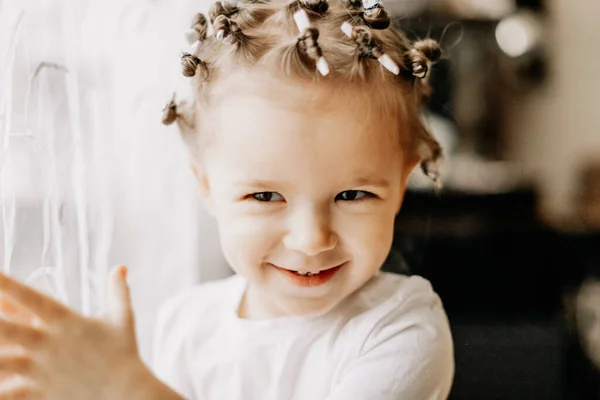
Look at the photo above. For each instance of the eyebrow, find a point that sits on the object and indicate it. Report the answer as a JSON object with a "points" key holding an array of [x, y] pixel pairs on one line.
{"points": [[382, 183], [259, 184], [363, 181]]}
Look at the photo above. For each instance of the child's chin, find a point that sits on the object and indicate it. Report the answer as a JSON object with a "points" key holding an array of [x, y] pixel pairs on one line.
{"points": [[310, 307]]}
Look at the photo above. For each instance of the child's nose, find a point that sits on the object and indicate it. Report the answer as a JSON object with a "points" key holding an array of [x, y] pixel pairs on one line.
{"points": [[310, 233]]}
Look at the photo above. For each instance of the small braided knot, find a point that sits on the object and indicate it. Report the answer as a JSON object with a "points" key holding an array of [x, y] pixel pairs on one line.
{"points": [[376, 17], [418, 63], [422, 55], [317, 6], [218, 8], [366, 44], [309, 39], [170, 112], [200, 25], [224, 27], [191, 65], [353, 4], [430, 49]]}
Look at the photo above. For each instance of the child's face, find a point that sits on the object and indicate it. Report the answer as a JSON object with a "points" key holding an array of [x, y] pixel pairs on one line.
{"points": [[295, 189]]}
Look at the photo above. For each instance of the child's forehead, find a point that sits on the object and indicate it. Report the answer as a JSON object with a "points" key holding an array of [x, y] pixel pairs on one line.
{"points": [[320, 117], [317, 96], [263, 133], [288, 115], [282, 102], [272, 132], [264, 143]]}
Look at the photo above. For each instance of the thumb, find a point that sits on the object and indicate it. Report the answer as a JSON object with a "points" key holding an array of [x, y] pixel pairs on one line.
{"points": [[118, 298]]}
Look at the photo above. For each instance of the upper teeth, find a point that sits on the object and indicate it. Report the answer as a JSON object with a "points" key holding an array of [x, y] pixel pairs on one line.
{"points": [[307, 273]]}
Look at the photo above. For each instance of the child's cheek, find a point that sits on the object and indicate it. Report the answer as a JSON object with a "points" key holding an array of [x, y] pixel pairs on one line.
{"points": [[368, 238], [248, 240]]}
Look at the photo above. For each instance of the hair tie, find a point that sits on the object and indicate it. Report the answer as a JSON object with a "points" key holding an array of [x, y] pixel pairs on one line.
{"points": [[418, 63], [368, 47], [224, 28], [190, 62], [317, 6], [423, 54], [220, 8], [374, 14], [308, 38], [355, 5]]}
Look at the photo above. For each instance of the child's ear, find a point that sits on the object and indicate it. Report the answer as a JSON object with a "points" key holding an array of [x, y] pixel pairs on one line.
{"points": [[204, 187]]}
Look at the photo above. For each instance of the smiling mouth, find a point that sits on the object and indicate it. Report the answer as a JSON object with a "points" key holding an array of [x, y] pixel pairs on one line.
{"points": [[304, 278], [307, 273]]}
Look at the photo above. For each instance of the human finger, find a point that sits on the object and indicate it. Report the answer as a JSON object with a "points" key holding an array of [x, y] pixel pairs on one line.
{"points": [[23, 335], [16, 362], [17, 388], [38, 303], [119, 311], [14, 312]]}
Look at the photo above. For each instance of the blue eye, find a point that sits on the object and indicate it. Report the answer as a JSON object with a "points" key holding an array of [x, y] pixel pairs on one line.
{"points": [[267, 196], [354, 195]]}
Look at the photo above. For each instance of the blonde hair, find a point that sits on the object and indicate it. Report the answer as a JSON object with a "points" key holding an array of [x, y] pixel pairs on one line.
{"points": [[262, 35]]}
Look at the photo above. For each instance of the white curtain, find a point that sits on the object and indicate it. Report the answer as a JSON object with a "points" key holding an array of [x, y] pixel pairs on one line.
{"points": [[89, 177]]}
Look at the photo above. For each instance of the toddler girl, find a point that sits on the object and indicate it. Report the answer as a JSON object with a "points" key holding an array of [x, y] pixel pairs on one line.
{"points": [[303, 131]]}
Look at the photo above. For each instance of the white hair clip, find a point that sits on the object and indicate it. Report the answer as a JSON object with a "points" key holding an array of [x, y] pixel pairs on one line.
{"points": [[195, 48], [371, 4], [303, 24], [347, 29], [389, 64], [197, 33], [383, 59], [374, 15]]}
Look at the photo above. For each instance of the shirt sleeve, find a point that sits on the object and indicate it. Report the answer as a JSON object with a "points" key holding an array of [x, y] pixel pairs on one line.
{"points": [[168, 348], [408, 354]]}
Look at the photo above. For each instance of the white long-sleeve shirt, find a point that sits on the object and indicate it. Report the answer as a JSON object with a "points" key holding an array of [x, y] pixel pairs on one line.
{"points": [[389, 340]]}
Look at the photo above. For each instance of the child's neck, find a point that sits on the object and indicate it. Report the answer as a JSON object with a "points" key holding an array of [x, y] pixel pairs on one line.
{"points": [[254, 306]]}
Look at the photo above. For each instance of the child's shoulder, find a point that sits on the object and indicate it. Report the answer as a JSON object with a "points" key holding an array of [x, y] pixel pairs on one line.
{"points": [[389, 291], [391, 303]]}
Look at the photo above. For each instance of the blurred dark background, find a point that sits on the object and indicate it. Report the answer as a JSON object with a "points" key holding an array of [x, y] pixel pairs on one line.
{"points": [[512, 242]]}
